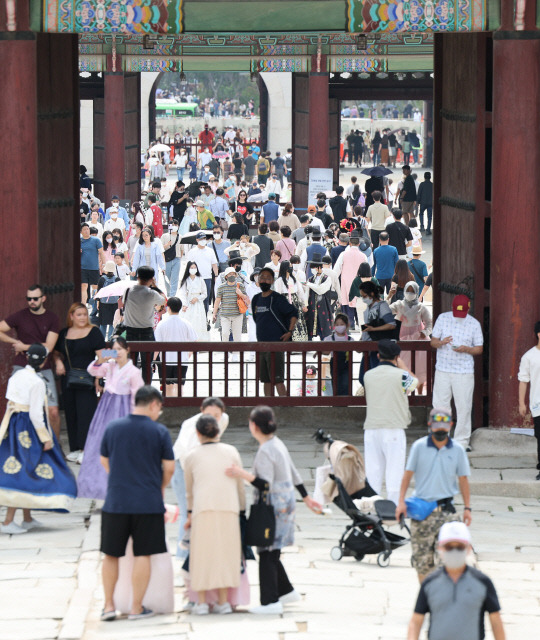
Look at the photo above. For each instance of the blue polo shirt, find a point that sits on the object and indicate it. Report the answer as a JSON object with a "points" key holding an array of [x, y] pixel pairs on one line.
{"points": [[90, 253], [436, 470], [384, 261]]}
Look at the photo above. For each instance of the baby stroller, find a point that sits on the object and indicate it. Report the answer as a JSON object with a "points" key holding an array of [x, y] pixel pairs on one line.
{"points": [[348, 488]]}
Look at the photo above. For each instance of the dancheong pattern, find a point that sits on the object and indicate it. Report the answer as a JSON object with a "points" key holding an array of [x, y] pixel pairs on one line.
{"points": [[397, 16], [112, 16]]}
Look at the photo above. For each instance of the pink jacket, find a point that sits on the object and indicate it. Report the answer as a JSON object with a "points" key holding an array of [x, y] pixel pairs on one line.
{"points": [[123, 381]]}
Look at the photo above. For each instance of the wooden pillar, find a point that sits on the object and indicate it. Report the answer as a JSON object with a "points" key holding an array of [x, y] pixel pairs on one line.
{"points": [[515, 303], [113, 131], [263, 113], [311, 127], [428, 134]]}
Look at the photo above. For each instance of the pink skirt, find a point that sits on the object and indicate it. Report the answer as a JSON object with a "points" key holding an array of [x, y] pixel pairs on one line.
{"points": [[420, 365]]}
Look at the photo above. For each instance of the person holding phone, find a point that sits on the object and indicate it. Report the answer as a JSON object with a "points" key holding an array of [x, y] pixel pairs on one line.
{"points": [[122, 381]]}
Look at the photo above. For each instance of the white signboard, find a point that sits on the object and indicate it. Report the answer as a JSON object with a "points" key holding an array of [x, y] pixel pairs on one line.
{"points": [[319, 180]]}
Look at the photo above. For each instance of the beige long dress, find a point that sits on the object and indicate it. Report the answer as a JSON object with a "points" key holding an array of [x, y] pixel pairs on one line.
{"points": [[215, 502]]}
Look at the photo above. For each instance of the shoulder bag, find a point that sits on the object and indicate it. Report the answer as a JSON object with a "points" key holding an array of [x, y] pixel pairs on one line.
{"points": [[77, 378], [170, 253], [261, 524], [242, 306]]}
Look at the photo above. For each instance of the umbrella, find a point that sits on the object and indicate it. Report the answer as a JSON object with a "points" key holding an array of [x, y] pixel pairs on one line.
{"points": [[191, 236], [116, 288], [376, 172], [363, 106], [220, 154], [159, 147], [390, 106]]}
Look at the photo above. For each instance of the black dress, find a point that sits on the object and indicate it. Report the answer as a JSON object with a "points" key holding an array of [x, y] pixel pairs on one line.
{"points": [[79, 404]]}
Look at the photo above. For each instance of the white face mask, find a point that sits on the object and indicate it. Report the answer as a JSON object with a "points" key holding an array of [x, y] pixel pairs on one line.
{"points": [[366, 300], [174, 229], [114, 216], [340, 329], [193, 271], [217, 236], [243, 245], [109, 240], [410, 296], [296, 267], [454, 559], [201, 243]]}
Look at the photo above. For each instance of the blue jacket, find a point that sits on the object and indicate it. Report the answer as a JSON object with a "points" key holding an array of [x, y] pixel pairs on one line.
{"points": [[156, 258]]}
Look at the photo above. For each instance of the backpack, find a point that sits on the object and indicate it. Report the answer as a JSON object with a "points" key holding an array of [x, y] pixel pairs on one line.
{"points": [[262, 167], [110, 299], [288, 161]]}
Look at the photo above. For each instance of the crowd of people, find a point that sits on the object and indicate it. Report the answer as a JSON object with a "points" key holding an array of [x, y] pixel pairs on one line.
{"points": [[386, 110], [386, 147], [210, 108]]}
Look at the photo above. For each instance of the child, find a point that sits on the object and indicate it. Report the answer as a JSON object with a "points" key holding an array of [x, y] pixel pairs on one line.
{"points": [[122, 270], [122, 381], [340, 333], [312, 383], [417, 237], [192, 164]]}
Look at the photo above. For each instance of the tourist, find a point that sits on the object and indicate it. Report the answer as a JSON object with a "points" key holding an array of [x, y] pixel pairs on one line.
{"points": [[340, 375], [338, 204], [192, 293], [399, 235], [172, 256], [91, 260], [402, 275], [147, 253], [247, 251], [347, 267], [227, 302], [107, 305], [137, 454], [122, 381], [529, 373], [408, 193], [274, 472], [418, 267], [206, 260], [265, 246], [425, 202], [319, 316], [290, 286], [385, 259], [377, 213]]}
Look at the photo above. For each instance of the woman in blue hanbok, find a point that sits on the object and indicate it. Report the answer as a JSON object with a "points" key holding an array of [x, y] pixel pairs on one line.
{"points": [[33, 472]]}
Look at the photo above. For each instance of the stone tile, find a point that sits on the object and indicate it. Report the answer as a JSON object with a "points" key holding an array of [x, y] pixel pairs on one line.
{"points": [[28, 629]]}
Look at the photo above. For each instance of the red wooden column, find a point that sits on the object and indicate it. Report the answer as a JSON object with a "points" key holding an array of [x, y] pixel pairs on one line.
{"points": [[319, 118], [515, 226], [113, 131]]}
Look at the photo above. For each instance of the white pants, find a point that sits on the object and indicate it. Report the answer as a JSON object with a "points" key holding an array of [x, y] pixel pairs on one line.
{"points": [[461, 387], [234, 324], [384, 457]]}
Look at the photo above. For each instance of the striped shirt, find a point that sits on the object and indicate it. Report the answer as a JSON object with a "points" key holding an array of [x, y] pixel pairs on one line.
{"points": [[229, 299]]}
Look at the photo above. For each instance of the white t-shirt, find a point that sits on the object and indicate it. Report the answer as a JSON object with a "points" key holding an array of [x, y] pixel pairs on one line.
{"points": [[204, 259], [205, 158], [122, 271], [529, 371], [115, 224], [173, 328], [180, 160], [98, 226]]}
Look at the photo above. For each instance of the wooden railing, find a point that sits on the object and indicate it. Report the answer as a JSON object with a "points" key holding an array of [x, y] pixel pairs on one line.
{"points": [[230, 370]]}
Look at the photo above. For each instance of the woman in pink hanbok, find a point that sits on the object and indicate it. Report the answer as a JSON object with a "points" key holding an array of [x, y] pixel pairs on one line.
{"points": [[416, 324]]}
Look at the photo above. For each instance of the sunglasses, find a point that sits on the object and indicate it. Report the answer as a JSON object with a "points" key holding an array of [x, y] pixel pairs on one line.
{"points": [[30, 298], [439, 418]]}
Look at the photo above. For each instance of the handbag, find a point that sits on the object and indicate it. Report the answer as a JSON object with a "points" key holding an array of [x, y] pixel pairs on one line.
{"points": [[242, 306], [261, 524], [419, 509], [77, 378]]}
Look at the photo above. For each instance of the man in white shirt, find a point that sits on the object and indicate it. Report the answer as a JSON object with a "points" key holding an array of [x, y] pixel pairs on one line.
{"points": [[205, 259], [387, 417], [350, 188], [185, 443], [115, 222], [204, 159], [173, 328], [529, 373], [377, 214], [457, 336]]}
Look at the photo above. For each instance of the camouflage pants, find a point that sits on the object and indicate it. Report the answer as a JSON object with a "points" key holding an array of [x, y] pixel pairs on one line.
{"points": [[424, 535]]}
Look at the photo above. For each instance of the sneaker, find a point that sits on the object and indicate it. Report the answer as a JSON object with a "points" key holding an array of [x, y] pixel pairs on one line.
{"points": [[222, 609], [72, 456], [80, 457], [289, 598], [12, 528], [107, 616], [33, 524], [267, 609], [468, 448], [201, 609], [145, 613], [428, 232]]}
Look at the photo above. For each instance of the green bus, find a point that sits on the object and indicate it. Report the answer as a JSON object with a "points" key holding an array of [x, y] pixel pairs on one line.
{"points": [[169, 107]]}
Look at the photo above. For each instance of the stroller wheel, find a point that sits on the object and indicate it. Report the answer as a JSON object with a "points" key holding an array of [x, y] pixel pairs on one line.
{"points": [[358, 556], [383, 560], [336, 553]]}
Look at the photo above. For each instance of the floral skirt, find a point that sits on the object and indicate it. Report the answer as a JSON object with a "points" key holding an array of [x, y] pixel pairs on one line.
{"points": [[31, 478], [300, 333]]}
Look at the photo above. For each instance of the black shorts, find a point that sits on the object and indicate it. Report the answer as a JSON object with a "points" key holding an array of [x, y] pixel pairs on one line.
{"points": [[146, 529], [89, 276], [265, 367], [171, 373]]}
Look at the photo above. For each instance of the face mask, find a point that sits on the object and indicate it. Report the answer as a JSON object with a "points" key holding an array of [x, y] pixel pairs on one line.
{"points": [[340, 329], [116, 239], [326, 266], [109, 240], [366, 300], [440, 435], [265, 286], [174, 229], [201, 243], [296, 267], [454, 559], [242, 245], [238, 268], [217, 236], [409, 296], [114, 216], [231, 278], [193, 271]]}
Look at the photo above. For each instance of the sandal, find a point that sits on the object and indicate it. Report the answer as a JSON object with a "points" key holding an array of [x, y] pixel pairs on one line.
{"points": [[107, 616], [145, 613]]}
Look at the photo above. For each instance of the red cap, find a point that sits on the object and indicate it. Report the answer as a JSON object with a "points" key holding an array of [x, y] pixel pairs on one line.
{"points": [[460, 306]]}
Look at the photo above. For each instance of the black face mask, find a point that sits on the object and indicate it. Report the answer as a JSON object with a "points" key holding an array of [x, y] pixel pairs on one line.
{"points": [[238, 268], [265, 286], [440, 436]]}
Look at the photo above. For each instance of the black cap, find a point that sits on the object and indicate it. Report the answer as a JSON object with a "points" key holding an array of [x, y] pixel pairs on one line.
{"points": [[115, 198], [316, 261], [388, 349], [234, 256], [36, 355], [256, 272]]}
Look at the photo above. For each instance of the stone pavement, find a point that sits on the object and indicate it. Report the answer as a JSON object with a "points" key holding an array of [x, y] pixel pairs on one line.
{"points": [[50, 583]]}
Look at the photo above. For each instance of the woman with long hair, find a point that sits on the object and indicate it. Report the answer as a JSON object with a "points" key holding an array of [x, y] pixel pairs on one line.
{"points": [[290, 287], [289, 218], [274, 474], [122, 380], [109, 246], [190, 217], [243, 207], [147, 253], [402, 275], [192, 292], [77, 346]]}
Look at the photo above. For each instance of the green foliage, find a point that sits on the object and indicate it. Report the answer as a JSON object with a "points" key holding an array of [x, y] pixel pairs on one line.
{"points": [[234, 85]]}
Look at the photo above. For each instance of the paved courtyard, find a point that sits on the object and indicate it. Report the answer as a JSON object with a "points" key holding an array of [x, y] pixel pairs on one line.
{"points": [[50, 581]]}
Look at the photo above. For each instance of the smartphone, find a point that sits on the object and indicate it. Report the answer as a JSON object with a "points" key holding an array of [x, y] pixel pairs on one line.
{"points": [[363, 327], [109, 353]]}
